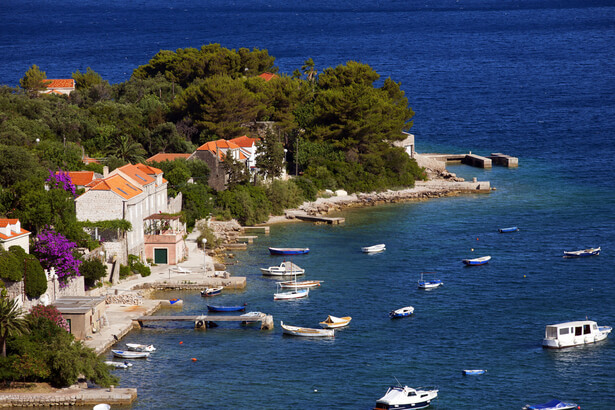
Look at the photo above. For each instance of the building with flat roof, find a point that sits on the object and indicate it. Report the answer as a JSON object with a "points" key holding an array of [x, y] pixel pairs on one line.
{"points": [[85, 315]]}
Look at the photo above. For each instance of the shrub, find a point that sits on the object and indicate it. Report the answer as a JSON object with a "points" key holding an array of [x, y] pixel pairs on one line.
{"points": [[52, 313], [35, 280], [124, 271], [10, 266], [284, 195], [92, 271], [307, 187]]}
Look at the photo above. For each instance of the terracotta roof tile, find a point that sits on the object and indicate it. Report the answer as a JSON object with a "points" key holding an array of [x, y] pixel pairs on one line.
{"points": [[220, 147], [161, 157], [116, 184], [80, 178], [60, 83], [268, 76], [245, 141]]}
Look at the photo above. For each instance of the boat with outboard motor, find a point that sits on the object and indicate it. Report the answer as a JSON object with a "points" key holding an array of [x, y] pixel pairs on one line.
{"points": [[404, 397]]}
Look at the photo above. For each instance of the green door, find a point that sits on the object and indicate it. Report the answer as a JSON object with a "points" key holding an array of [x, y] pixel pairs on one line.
{"points": [[160, 256]]}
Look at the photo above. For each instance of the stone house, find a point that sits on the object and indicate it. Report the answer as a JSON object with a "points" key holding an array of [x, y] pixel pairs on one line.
{"points": [[63, 86], [213, 154], [247, 147], [11, 233]]}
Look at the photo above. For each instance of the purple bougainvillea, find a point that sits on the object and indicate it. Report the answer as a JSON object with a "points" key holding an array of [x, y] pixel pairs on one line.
{"points": [[61, 180], [54, 250]]}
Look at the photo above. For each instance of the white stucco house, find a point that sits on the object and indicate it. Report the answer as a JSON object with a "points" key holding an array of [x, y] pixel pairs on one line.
{"points": [[11, 233]]}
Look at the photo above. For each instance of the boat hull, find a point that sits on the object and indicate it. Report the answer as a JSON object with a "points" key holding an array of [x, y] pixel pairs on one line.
{"points": [[508, 230], [402, 312], [420, 405], [306, 331], [295, 294], [570, 334], [130, 355], [473, 372], [226, 308], [211, 292], [582, 253], [477, 261], [398, 397], [432, 284], [374, 248], [335, 323], [288, 251], [299, 285]]}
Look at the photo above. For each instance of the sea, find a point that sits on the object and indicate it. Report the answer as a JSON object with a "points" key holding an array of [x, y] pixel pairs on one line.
{"points": [[534, 79]]}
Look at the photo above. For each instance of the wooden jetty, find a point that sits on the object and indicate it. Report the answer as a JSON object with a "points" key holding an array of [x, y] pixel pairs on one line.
{"points": [[201, 322]]}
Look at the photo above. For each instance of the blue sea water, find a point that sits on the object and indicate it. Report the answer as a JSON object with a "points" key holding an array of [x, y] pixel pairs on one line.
{"points": [[533, 79]]}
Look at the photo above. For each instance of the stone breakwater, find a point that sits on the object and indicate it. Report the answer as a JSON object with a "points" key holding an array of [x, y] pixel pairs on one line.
{"points": [[69, 397]]}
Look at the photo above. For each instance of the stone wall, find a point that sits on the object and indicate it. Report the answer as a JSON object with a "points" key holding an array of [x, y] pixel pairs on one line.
{"points": [[174, 205], [15, 290]]}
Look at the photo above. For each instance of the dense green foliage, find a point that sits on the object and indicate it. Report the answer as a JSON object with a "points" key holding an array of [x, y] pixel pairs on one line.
{"points": [[12, 322], [92, 271], [16, 264]]}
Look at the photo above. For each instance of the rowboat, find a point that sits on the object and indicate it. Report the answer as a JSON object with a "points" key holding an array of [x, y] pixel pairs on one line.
{"points": [[124, 354], [552, 405], [508, 230], [140, 348], [477, 261], [374, 248], [288, 251], [582, 252], [306, 331], [118, 365], [238, 308], [212, 291], [302, 284], [398, 397], [401, 312], [332, 322], [285, 268], [293, 294], [473, 372], [428, 284]]}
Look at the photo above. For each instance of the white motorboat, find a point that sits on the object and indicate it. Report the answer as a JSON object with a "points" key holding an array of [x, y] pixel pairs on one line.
{"points": [[118, 365], [374, 248], [582, 252], [306, 331], [332, 322], [398, 397], [126, 354], [136, 347], [286, 268], [577, 333], [102, 406], [477, 261], [401, 312], [293, 294], [429, 282]]}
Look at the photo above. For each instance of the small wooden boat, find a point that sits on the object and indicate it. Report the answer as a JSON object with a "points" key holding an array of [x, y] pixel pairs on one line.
{"points": [[508, 230], [135, 347], [288, 251], [404, 397], [302, 284], [374, 248], [238, 308], [473, 372], [212, 291], [582, 252], [293, 294], [401, 312], [477, 261], [118, 365], [306, 331], [428, 284], [332, 322], [285, 268], [125, 354], [552, 405]]}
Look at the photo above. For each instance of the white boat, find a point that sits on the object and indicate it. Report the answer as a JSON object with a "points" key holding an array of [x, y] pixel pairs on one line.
{"points": [[577, 333], [477, 261], [125, 354], [582, 252], [332, 322], [118, 365], [102, 406], [140, 348], [374, 248], [212, 291], [293, 294], [293, 284], [398, 397], [306, 331], [429, 283], [401, 312], [552, 405], [286, 268]]}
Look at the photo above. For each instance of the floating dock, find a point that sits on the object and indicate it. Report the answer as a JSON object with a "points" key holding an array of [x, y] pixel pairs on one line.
{"points": [[201, 322]]}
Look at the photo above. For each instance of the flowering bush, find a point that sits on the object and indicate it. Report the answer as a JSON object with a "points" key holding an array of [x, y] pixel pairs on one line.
{"points": [[51, 313], [61, 180], [54, 250]]}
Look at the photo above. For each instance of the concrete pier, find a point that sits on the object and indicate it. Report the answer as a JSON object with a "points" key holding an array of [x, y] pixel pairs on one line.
{"points": [[71, 396], [304, 216], [201, 321], [504, 160], [476, 161], [256, 229]]}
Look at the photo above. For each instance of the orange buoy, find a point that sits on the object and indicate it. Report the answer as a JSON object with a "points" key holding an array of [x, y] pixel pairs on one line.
{"points": [[181, 343], [194, 359]]}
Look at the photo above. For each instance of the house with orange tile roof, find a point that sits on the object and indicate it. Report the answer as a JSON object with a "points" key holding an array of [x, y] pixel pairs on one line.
{"points": [[63, 86], [161, 157], [11, 233], [247, 146], [80, 178], [213, 153], [268, 76]]}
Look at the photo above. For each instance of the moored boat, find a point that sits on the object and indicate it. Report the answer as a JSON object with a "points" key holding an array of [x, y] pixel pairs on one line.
{"points": [[477, 261], [429, 282], [398, 397], [118, 365], [293, 294], [576, 333], [473, 372], [332, 322], [237, 308], [140, 347], [286, 268], [292, 284], [374, 248], [212, 291], [306, 331], [126, 354], [288, 251], [102, 406], [552, 405], [401, 312], [582, 252], [508, 230]]}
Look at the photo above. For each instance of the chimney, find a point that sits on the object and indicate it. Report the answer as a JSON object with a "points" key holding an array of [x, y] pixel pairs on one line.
{"points": [[105, 171]]}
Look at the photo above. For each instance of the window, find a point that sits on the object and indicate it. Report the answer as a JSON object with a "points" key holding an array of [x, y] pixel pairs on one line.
{"points": [[587, 329], [578, 331], [564, 331], [552, 332]]}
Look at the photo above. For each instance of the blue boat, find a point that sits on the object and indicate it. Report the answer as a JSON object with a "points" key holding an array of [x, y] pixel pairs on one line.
{"points": [[473, 372], [506, 230], [238, 308], [552, 405], [477, 261], [288, 251], [401, 312]]}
